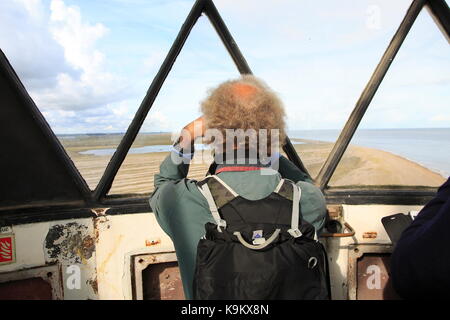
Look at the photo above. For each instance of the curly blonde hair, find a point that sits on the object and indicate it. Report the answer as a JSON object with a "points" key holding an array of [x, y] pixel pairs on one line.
{"points": [[244, 103]]}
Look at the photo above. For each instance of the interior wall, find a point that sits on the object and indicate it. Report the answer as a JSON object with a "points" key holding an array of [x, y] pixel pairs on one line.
{"points": [[102, 248], [366, 221]]}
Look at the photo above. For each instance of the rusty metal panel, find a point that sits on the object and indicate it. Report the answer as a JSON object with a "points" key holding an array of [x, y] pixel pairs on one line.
{"points": [[42, 283], [368, 272], [156, 276], [162, 281], [26, 289], [373, 282]]}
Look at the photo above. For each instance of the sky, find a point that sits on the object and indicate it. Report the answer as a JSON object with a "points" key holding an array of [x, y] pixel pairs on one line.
{"points": [[88, 64]]}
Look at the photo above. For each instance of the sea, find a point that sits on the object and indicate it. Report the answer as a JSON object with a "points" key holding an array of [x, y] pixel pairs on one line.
{"points": [[429, 147]]}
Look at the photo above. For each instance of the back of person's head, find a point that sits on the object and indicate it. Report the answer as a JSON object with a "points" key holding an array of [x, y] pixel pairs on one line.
{"points": [[246, 103]]}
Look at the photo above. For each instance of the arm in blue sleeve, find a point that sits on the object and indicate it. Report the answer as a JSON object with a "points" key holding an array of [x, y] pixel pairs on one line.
{"points": [[421, 259]]}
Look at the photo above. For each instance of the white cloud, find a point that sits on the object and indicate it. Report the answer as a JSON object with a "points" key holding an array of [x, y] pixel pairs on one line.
{"points": [[27, 43], [154, 60], [54, 50], [74, 75], [91, 77], [78, 38], [121, 109], [156, 120], [34, 8]]}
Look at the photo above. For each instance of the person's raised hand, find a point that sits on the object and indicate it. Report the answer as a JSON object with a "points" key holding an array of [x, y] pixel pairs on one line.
{"points": [[191, 131]]}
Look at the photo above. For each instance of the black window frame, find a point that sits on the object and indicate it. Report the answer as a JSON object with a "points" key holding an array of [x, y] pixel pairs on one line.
{"points": [[135, 203]]}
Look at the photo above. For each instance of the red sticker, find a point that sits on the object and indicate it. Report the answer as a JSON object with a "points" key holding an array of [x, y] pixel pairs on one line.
{"points": [[7, 249]]}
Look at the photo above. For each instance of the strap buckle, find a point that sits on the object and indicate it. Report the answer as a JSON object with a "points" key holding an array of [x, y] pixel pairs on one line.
{"points": [[295, 233], [222, 223]]}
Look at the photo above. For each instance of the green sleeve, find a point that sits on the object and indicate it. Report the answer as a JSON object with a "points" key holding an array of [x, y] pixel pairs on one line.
{"points": [[170, 185], [312, 201], [312, 205]]}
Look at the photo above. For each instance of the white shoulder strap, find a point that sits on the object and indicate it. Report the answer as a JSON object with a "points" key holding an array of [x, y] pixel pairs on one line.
{"points": [[234, 193], [204, 189], [297, 193], [280, 184]]}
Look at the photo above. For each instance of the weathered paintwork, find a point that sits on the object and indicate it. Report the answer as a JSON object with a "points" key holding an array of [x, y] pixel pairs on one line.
{"points": [[105, 247]]}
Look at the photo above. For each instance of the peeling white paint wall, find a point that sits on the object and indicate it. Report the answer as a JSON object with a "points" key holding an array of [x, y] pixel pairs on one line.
{"points": [[31, 251], [106, 274], [362, 218], [119, 238]]}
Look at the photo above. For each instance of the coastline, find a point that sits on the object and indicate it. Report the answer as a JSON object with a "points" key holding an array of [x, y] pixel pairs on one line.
{"points": [[359, 165]]}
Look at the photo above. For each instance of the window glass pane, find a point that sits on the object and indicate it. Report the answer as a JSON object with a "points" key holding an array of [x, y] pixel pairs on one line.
{"points": [[202, 64], [88, 64], [404, 138], [318, 57]]}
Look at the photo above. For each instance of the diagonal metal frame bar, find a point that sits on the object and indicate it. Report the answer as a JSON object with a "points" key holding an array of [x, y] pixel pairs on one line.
{"points": [[226, 37], [438, 8], [119, 156], [200, 6], [368, 93], [242, 65], [46, 130], [292, 155], [440, 13]]}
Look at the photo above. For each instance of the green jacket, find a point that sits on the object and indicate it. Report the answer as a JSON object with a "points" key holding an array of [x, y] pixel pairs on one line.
{"points": [[182, 211]]}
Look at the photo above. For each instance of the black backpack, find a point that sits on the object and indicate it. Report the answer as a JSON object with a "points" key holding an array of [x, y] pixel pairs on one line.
{"points": [[258, 250]]}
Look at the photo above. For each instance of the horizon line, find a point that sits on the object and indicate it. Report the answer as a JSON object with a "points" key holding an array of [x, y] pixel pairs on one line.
{"points": [[159, 132]]}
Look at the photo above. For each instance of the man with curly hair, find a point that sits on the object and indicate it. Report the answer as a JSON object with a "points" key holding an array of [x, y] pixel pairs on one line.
{"points": [[247, 161]]}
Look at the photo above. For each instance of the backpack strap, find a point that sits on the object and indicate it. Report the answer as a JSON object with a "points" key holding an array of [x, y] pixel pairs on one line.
{"points": [[222, 183], [296, 195], [291, 191], [204, 189], [259, 246], [280, 184], [220, 191], [217, 194], [285, 189]]}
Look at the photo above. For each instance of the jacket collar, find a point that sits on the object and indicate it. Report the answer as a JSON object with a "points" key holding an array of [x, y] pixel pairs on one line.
{"points": [[239, 160]]}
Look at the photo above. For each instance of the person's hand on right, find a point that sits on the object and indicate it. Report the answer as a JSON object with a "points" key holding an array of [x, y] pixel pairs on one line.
{"points": [[192, 131]]}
